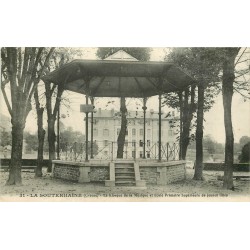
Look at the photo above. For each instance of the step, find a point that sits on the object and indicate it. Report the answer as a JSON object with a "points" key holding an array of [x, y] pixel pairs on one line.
{"points": [[124, 182], [124, 170], [124, 167], [125, 178], [125, 174]]}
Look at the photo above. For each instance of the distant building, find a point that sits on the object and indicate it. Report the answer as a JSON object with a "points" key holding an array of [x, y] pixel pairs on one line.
{"points": [[107, 125]]}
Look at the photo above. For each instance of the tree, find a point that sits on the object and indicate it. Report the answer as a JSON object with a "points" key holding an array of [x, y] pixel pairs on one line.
{"points": [[40, 135], [245, 153], [141, 54], [5, 138], [31, 141], [244, 140], [228, 56], [71, 139], [52, 91], [19, 69], [198, 62], [209, 144]]}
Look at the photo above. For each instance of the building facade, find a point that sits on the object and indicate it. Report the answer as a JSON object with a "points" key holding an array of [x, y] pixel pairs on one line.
{"points": [[106, 128]]}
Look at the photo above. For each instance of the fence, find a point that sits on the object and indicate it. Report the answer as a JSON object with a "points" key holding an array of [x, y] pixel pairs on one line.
{"points": [[107, 150]]}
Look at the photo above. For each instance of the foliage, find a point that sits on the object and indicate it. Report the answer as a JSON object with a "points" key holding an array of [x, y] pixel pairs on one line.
{"points": [[70, 136], [198, 63], [5, 138], [209, 144], [141, 54], [75, 140], [31, 141], [244, 140], [245, 154]]}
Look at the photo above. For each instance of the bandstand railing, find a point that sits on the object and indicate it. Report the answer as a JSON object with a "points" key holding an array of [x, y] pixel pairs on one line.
{"points": [[107, 150]]}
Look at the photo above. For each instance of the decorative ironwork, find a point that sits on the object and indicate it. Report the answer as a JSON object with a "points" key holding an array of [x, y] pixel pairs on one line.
{"points": [[106, 150]]}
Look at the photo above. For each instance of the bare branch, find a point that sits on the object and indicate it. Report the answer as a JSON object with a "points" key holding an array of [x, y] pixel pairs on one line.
{"points": [[46, 63], [240, 56], [19, 73], [6, 100], [25, 66], [28, 81], [247, 97]]}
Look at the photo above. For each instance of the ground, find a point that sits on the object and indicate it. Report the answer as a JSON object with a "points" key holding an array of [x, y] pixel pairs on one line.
{"points": [[189, 189]]}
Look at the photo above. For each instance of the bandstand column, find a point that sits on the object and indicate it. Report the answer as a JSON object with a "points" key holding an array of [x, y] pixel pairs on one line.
{"points": [[144, 127], [159, 157], [87, 129], [58, 131], [181, 124], [92, 127]]}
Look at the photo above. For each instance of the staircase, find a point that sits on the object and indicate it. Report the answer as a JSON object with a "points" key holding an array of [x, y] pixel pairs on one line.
{"points": [[124, 174]]}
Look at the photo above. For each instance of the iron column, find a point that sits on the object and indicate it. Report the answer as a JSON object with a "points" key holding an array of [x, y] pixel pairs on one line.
{"points": [[144, 127], [159, 128], [58, 132]]}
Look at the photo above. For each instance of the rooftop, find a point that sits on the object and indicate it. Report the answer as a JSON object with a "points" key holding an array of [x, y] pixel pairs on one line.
{"points": [[120, 78], [102, 113]]}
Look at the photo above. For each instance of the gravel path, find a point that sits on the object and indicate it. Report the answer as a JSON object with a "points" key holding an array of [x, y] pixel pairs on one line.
{"points": [[189, 189]]}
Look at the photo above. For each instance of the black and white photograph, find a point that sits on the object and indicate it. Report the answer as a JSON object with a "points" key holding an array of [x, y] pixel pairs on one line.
{"points": [[125, 123]]}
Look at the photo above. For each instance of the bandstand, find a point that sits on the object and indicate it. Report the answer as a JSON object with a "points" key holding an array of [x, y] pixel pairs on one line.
{"points": [[128, 79]]}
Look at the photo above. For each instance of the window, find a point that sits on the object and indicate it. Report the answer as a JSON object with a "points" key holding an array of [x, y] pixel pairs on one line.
{"points": [[106, 132], [148, 154], [133, 131], [141, 143], [141, 131], [134, 154], [133, 143], [141, 154], [105, 143], [148, 143]]}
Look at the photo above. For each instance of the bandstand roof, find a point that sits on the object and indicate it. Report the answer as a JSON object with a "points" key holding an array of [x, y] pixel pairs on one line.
{"points": [[107, 78]]}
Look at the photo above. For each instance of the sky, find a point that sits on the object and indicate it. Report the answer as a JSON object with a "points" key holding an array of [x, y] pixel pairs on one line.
{"points": [[213, 125]]}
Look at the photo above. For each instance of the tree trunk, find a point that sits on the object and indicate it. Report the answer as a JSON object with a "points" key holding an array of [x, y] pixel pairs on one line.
{"points": [[122, 134], [51, 120], [51, 140], [187, 116], [16, 155], [227, 93], [41, 135], [198, 175]]}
